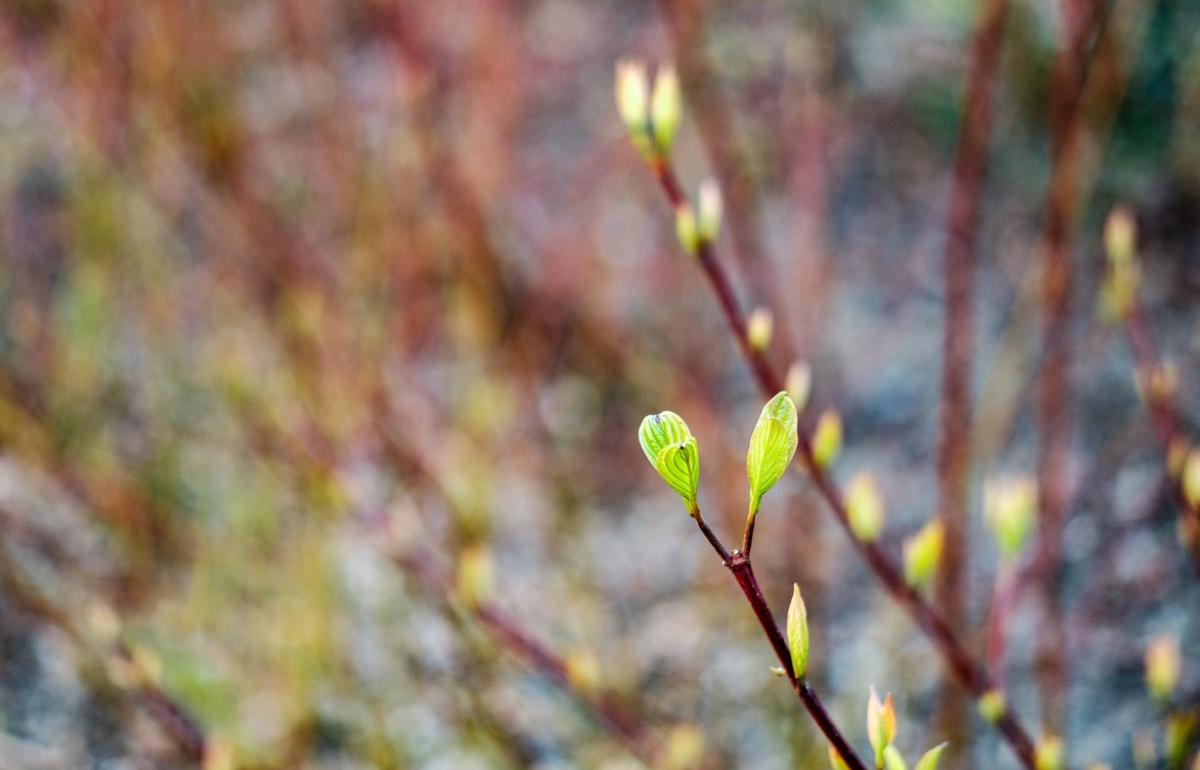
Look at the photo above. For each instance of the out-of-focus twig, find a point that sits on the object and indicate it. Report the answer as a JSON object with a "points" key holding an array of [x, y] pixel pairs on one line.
{"points": [[958, 329], [1078, 20]]}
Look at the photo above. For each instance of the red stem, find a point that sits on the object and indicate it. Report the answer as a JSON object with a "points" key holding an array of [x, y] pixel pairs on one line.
{"points": [[739, 564]]}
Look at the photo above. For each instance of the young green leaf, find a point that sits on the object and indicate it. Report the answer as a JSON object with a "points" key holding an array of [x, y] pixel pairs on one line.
{"points": [[672, 450], [929, 761], [797, 633], [772, 447]]}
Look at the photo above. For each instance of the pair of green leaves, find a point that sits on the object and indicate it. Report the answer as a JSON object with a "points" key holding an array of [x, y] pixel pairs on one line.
{"points": [[671, 448]]}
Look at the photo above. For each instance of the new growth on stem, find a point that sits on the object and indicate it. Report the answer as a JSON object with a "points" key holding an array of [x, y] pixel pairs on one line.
{"points": [[772, 447]]}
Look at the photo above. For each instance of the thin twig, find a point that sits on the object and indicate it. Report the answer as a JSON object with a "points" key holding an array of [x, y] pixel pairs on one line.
{"points": [[739, 564]]}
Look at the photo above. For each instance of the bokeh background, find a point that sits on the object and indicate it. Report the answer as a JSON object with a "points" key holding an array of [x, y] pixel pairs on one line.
{"points": [[315, 313]]}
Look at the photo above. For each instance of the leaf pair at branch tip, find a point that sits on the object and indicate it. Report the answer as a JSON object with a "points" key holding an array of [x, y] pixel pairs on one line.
{"points": [[772, 447], [673, 451]]}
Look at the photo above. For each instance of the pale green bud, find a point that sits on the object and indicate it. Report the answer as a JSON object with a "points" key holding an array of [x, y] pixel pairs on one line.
{"points": [[759, 329], [772, 446], [474, 575], [923, 552], [672, 450], [1010, 508], [1049, 754], [666, 106], [799, 383], [1120, 235], [1191, 478], [864, 508], [827, 438], [992, 705], [710, 210], [797, 633], [685, 229], [1162, 667], [633, 104]]}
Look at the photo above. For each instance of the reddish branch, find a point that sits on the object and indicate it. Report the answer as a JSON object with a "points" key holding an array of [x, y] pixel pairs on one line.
{"points": [[962, 228], [604, 707], [1165, 419], [1078, 19], [964, 667]]}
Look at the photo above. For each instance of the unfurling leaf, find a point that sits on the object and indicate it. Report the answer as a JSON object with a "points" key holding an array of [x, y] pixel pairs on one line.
{"points": [[923, 552], [864, 508], [772, 447], [881, 724], [827, 438], [929, 760], [797, 633], [672, 450]]}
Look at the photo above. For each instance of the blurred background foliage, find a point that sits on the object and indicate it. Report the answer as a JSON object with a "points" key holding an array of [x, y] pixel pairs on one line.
{"points": [[316, 314]]}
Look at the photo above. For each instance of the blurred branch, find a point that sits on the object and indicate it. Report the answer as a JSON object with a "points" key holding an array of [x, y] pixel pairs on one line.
{"points": [[1153, 376], [1079, 21], [958, 330]]}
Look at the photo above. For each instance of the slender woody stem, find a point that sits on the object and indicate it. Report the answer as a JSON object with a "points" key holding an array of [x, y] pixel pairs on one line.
{"points": [[739, 564]]}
